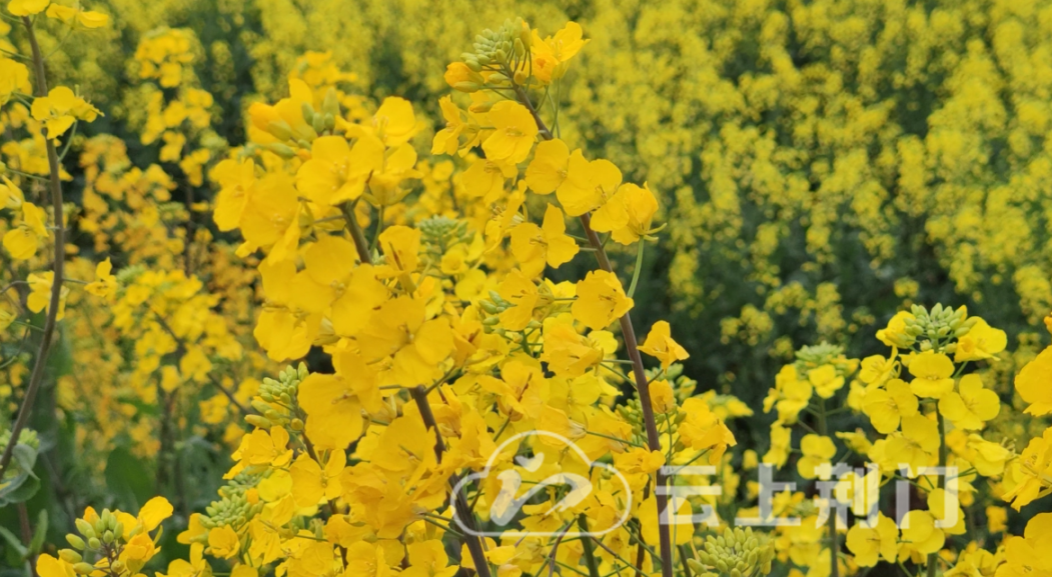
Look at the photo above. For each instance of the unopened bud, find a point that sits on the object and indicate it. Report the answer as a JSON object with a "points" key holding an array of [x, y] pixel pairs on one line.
{"points": [[466, 86], [70, 556], [75, 542], [83, 568], [308, 112]]}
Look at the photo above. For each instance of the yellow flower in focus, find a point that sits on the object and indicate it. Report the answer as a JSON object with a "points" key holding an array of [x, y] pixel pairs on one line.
{"points": [[817, 450], [549, 166], [662, 398], [223, 542], [400, 329], [401, 245], [536, 245], [1033, 471], [154, 512], [1028, 555], [522, 293], [48, 566], [26, 7], [447, 140], [886, 407], [659, 344], [395, 122], [972, 406], [337, 172], [14, 77], [10, 195], [932, 372], [60, 109], [921, 534], [639, 206], [514, 132], [916, 444], [311, 483], [600, 300], [551, 54], [22, 241], [825, 380], [105, 284], [87, 19], [1032, 384], [981, 342], [588, 185], [875, 370], [40, 294], [869, 544], [894, 335]]}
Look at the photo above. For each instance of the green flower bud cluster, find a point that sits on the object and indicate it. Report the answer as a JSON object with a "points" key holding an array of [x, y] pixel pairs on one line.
{"points": [[502, 50], [814, 356], [737, 553], [127, 275], [276, 401], [233, 507], [103, 538], [939, 326], [323, 121], [440, 233], [28, 438]]}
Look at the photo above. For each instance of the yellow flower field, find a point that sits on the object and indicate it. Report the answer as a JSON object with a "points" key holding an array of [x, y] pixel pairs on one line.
{"points": [[692, 288]]}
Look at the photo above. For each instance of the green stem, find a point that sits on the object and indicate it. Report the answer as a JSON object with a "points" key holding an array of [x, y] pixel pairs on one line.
{"points": [[589, 551], [40, 363], [834, 544], [933, 557], [639, 267]]}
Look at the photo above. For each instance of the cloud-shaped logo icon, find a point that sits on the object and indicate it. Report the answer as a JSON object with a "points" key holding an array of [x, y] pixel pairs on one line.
{"points": [[506, 505]]}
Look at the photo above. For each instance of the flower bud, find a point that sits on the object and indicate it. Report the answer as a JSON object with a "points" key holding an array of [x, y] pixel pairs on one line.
{"points": [[69, 556], [85, 528], [94, 543], [308, 112], [466, 86], [83, 568], [76, 542]]}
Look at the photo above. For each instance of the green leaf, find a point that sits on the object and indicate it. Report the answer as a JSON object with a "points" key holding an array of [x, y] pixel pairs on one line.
{"points": [[127, 479], [26, 457], [14, 542], [39, 534], [21, 489]]}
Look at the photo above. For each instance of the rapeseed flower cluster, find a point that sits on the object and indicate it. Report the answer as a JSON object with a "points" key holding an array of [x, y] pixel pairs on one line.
{"points": [[449, 313]]}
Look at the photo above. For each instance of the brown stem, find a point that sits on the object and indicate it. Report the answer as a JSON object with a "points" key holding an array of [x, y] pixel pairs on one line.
{"points": [[632, 346], [40, 363], [27, 536], [471, 539]]}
